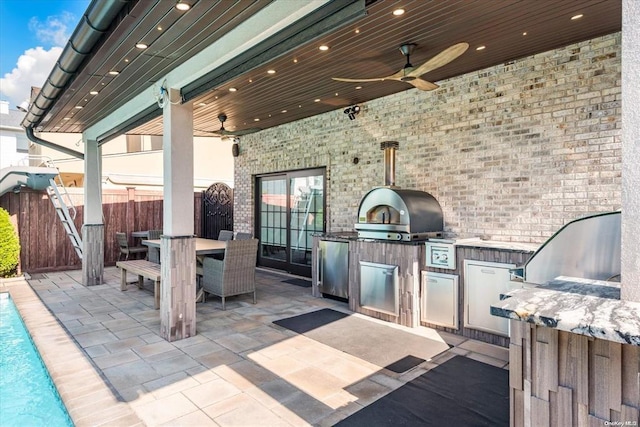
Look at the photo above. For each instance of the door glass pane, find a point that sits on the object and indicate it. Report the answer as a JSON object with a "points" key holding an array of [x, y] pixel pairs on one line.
{"points": [[273, 204], [306, 210]]}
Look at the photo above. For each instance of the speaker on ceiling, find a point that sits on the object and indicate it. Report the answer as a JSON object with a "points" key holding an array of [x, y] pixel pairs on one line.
{"points": [[235, 149]]}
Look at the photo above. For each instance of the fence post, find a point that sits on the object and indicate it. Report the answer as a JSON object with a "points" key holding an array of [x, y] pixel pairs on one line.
{"points": [[131, 212]]}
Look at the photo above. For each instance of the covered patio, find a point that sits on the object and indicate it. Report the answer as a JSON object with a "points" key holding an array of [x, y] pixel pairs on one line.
{"points": [[105, 353]]}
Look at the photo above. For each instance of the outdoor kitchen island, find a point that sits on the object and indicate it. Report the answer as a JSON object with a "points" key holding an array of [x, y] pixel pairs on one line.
{"points": [[389, 280], [574, 354]]}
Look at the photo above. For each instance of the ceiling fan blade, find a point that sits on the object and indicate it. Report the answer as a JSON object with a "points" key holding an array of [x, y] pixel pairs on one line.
{"points": [[242, 131], [379, 79], [443, 58], [422, 84]]}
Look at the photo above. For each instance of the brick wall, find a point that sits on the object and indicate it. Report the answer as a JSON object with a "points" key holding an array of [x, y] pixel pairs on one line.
{"points": [[511, 152]]}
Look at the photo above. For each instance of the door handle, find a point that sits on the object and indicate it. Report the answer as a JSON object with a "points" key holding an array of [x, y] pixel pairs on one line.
{"points": [[319, 266]]}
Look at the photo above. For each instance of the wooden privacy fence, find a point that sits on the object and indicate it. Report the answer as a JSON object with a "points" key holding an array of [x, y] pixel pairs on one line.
{"points": [[44, 243]]}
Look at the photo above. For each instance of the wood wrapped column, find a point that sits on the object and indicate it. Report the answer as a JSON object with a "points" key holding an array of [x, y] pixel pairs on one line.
{"points": [[177, 249], [92, 254], [177, 287]]}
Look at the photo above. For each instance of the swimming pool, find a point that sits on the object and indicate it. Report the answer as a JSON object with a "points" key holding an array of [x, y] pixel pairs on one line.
{"points": [[27, 394]]}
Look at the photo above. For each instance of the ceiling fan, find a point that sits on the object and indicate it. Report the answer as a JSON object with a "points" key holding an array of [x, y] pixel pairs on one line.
{"points": [[411, 75], [222, 132]]}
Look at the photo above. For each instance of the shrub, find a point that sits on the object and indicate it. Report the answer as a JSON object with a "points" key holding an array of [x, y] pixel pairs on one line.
{"points": [[9, 246]]}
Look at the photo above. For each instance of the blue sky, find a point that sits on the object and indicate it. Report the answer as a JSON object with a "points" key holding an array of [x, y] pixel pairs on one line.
{"points": [[32, 35]]}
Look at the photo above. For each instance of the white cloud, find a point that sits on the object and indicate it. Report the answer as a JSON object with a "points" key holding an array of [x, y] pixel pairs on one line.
{"points": [[32, 69], [55, 30], [35, 64]]}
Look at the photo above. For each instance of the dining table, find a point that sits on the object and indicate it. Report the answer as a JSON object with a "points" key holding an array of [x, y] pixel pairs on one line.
{"points": [[203, 246]]}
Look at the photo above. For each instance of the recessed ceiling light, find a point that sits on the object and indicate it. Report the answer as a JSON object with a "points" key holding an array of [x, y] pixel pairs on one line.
{"points": [[324, 47], [284, 111], [114, 72], [250, 80], [398, 12], [336, 93], [578, 16], [316, 100], [182, 6], [358, 87], [256, 119], [232, 89], [126, 59], [295, 60], [78, 107], [66, 118], [271, 71], [93, 92], [524, 33], [357, 31], [141, 45], [202, 104], [481, 48], [159, 28]]}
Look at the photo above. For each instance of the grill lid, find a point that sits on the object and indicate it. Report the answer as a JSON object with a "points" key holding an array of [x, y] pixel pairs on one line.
{"points": [[587, 247]]}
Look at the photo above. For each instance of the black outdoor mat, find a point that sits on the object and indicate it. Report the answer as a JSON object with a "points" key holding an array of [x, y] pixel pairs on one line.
{"points": [[405, 364], [298, 282], [460, 392], [380, 344]]}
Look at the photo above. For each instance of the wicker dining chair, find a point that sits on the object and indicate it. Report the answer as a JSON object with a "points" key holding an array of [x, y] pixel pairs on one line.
{"points": [[233, 275], [154, 253], [127, 250], [243, 236], [225, 235]]}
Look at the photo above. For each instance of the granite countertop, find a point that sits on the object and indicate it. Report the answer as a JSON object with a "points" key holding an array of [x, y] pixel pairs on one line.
{"points": [[585, 307], [511, 246]]}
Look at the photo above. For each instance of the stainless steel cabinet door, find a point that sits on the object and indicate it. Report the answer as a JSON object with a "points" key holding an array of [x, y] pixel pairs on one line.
{"points": [[483, 284], [333, 276], [379, 287], [439, 299]]}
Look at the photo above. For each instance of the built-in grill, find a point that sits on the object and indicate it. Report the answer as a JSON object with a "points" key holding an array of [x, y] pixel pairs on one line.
{"points": [[587, 248], [391, 213]]}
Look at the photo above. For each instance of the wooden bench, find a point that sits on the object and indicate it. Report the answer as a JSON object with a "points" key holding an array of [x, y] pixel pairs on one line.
{"points": [[142, 268]]}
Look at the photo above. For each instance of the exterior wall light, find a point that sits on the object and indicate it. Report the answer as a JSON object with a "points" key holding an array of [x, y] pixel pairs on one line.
{"points": [[352, 111]]}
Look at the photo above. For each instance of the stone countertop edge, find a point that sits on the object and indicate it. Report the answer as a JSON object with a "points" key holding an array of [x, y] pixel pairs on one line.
{"points": [[471, 242], [476, 242], [580, 306]]}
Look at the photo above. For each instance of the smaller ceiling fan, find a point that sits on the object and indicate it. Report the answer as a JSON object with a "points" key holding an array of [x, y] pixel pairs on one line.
{"points": [[411, 75], [222, 132]]}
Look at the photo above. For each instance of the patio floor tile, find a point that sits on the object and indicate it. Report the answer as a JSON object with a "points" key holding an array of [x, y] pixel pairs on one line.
{"points": [[240, 369]]}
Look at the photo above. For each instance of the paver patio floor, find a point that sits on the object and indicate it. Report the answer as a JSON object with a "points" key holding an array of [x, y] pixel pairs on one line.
{"points": [[113, 368]]}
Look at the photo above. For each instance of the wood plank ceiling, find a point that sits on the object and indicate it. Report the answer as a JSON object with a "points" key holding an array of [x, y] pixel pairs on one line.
{"points": [[301, 85]]}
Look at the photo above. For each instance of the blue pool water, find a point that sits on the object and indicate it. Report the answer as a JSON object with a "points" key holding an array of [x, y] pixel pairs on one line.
{"points": [[27, 394]]}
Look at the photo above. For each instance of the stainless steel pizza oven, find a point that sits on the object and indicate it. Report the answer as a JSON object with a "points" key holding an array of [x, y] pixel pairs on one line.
{"points": [[391, 213]]}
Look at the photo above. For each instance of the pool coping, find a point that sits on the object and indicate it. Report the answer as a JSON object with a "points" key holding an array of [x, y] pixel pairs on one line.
{"points": [[87, 396]]}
